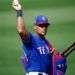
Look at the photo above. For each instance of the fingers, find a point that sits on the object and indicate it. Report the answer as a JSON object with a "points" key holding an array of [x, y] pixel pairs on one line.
{"points": [[16, 5], [15, 2]]}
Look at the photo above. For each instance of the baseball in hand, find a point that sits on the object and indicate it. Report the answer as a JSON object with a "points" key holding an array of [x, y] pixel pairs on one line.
{"points": [[16, 5], [16, 2]]}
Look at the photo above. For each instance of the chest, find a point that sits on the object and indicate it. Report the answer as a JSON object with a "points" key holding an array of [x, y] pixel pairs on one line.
{"points": [[42, 46]]}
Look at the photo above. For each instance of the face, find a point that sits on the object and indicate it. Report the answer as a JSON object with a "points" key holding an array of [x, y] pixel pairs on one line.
{"points": [[41, 30]]}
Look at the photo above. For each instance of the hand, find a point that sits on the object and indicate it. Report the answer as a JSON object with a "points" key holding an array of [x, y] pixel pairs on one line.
{"points": [[16, 5]]}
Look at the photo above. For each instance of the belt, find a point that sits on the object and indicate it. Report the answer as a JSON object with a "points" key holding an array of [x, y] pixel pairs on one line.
{"points": [[36, 73]]}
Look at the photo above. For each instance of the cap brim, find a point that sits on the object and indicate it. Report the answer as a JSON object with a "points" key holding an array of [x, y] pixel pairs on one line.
{"points": [[43, 24]]}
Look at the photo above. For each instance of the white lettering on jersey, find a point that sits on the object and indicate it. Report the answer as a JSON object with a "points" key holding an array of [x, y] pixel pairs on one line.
{"points": [[43, 50]]}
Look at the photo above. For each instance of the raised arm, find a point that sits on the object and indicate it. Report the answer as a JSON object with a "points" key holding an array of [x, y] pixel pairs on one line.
{"points": [[20, 22]]}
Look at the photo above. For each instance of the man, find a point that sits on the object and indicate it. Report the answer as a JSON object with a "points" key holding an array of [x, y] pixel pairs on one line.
{"points": [[37, 52]]}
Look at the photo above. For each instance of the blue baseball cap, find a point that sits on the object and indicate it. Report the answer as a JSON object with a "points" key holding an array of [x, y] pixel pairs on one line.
{"points": [[41, 20]]}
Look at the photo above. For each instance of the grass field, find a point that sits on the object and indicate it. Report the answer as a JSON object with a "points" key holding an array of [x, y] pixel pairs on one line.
{"points": [[61, 33]]}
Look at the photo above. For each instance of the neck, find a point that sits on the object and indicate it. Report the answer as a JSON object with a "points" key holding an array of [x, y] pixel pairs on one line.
{"points": [[42, 36]]}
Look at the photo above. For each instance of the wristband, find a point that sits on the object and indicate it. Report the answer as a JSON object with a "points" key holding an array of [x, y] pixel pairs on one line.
{"points": [[19, 13]]}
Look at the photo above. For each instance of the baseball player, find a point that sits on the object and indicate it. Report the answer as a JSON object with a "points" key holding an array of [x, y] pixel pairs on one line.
{"points": [[37, 52]]}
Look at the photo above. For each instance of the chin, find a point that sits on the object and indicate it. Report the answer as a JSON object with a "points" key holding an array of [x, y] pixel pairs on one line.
{"points": [[43, 34]]}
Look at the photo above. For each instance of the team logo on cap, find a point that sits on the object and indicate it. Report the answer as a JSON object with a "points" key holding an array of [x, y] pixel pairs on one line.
{"points": [[43, 18]]}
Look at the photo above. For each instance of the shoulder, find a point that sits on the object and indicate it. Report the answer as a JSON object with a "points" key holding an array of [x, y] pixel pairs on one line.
{"points": [[30, 38]]}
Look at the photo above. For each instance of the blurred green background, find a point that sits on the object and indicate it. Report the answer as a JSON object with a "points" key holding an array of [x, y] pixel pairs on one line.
{"points": [[61, 33]]}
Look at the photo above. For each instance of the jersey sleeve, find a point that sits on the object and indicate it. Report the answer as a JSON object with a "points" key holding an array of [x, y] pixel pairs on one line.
{"points": [[27, 39]]}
